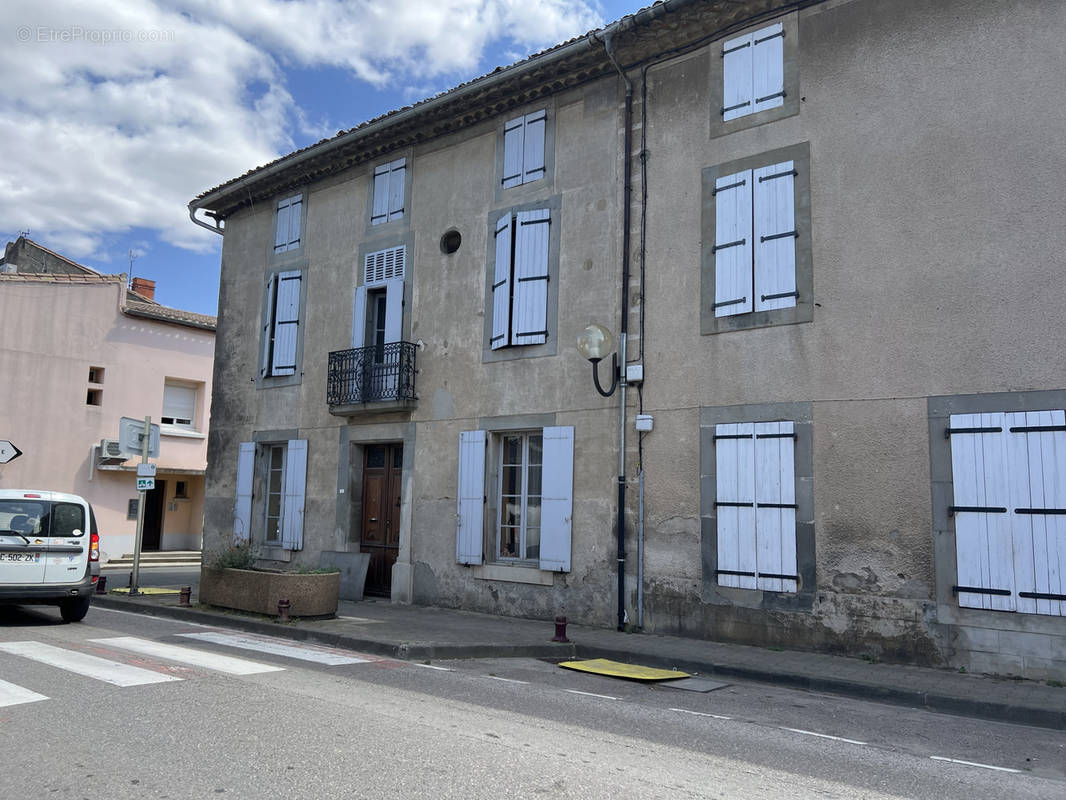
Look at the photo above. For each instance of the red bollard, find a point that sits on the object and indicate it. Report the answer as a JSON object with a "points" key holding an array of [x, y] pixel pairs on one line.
{"points": [[101, 585], [283, 610], [184, 595], [560, 630]]}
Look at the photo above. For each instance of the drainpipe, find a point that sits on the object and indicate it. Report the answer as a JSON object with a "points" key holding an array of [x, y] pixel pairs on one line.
{"points": [[608, 40], [216, 228]]}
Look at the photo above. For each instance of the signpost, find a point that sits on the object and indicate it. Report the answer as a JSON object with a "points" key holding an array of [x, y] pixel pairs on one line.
{"points": [[8, 451], [148, 441]]}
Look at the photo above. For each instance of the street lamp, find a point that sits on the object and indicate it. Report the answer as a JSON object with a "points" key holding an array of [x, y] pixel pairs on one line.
{"points": [[594, 343]]}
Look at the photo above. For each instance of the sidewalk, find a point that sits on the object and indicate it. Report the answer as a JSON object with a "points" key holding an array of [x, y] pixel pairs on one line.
{"points": [[420, 633]]}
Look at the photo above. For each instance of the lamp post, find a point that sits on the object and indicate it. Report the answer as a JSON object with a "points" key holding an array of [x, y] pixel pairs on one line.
{"points": [[594, 343]]}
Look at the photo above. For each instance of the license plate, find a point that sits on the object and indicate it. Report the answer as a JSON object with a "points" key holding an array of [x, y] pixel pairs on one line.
{"points": [[33, 557]]}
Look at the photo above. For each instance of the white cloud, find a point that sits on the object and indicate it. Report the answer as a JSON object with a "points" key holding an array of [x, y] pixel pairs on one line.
{"points": [[114, 115]]}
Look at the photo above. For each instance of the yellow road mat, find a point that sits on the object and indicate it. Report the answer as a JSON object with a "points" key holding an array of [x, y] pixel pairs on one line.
{"points": [[616, 669], [146, 590]]}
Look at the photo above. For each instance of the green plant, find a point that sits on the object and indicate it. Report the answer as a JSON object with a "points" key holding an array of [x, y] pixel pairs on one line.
{"points": [[302, 570], [1057, 684], [239, 556]]}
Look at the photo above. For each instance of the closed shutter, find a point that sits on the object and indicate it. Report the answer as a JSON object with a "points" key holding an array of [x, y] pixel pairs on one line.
{"points": [[359, 317], [529, 322], [557, 498], [287, 226], [397, 181], [292, 531], [775, 507], [242, 509], [513, 152], [268, 325], [768, 67], [737, 77], [381, 265], [380, 212], [775, 235], [286, 324], [732, 244], [501, 284], [179, 404], [533, 150], [735, 504], [470, 515]]}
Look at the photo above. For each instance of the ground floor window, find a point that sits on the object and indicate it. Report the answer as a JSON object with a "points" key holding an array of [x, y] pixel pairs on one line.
{"points": [[271, 488], [520, 472]]}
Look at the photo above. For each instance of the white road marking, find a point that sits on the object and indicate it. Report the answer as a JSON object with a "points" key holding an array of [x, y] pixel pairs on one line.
{"points": [[187, 655], [505, 680], [699, 713], [590, 694], [101, 669], [823, 736], [974, 764], [158, 619], [263, 644], [12, 695], [434, 666]]}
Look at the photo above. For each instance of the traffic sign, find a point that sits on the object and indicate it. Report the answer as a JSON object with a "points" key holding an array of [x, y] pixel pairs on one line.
{"points": [[8, 451], [131, 436], [145, 484], [146, 470]]}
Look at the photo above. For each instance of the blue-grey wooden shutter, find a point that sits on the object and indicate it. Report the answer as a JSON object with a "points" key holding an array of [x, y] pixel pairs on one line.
{"points": [[268, 325], [514, 131], [470, 514], [768, 67], [242, 509], [529, 320], [397, 181], [389, 183], [557, 498], [533, 146], [501, 285], [286, 323], [737, 77], [359, 317], [734, 446], [295, 488], [774, 236], [775, 507], [287, 226], [380, 210], [732, 244]]}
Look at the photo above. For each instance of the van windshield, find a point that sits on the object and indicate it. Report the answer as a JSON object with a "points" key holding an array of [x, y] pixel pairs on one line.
{"points": [[23, 517]]}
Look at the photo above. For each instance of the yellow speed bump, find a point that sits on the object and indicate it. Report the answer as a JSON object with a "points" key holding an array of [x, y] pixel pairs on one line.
{"points": [[146, 590], [616, 669]]}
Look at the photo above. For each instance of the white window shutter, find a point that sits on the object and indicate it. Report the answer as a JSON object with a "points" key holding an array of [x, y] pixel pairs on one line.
{"points": [[768, 67], [286, 323], [397, 179], [732, 244], [295, 215], [533, 151], [292, 530], [281, 226], [513, 152], [393, 310], [179, 401], [983, 538], [775, 506], [359, 317], [734, 446], [380, 210], [557, 498], [470, 516], [268, 325], [501, 284], [774, 236], [737, 90], [529, 321], [242, 509]]}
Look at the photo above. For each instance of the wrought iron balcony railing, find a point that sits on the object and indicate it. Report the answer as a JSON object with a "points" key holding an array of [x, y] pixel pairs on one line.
{"points": [[371, 374]]}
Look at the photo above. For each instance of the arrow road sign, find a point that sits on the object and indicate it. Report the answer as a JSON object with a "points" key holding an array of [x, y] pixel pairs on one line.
{"points": [[8, 451]]}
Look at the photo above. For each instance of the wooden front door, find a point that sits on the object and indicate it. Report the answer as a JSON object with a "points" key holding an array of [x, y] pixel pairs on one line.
{"points": [[380, 537]]}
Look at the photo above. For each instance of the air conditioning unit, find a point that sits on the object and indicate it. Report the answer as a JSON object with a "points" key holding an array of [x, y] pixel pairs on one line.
{"points": [[111, 452]]}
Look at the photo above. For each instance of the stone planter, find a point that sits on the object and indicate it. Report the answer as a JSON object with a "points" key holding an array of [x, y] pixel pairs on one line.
{"points": [[258, 591]]}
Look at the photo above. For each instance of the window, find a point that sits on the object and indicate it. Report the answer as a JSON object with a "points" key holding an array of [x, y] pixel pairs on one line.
{"points": [[281, 324], [94, 397], [377, 323], [524, 148], [521, 275], [96, 374], [757, 252], [181, 490], [753, 75], [756, 505], [532, 497], [287, 225], [179, 405], [1008, 475], [389, 182], [279, 470]]}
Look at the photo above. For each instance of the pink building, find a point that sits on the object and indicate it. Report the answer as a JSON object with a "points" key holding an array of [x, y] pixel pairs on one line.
{"points": [[79, 351]]}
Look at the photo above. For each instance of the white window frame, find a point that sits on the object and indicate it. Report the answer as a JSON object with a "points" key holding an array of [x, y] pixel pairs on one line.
{"points": [[288, 223], [389, 188], [525, 149]]}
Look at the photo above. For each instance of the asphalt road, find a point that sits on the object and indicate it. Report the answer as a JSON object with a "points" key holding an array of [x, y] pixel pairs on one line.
{"points": [[284, 726]]}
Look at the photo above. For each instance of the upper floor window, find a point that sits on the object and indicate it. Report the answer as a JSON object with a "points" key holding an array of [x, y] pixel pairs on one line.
{"points": [[287, 224], [389, 182], [281, 324], [523, 149], [179, 405], [753, 72], [521, 275]]}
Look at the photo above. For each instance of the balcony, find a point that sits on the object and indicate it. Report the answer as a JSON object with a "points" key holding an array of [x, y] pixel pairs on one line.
{"points": [[371, 379]]}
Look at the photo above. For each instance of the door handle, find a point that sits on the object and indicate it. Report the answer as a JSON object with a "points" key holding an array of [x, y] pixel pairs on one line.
{"points": [[373, 519]]}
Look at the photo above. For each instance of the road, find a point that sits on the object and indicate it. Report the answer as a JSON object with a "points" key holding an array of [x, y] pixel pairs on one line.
{"points": [[200, 717]]}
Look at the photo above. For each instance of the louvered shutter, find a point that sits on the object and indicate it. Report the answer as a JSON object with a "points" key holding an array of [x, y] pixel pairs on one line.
{"points": [[557, 498], [470, 515], [397, 182], [983, 538], [533, 150], [513, 152], [732, 244], [242, 508], [774, 237], [737, 77], [292, 530], [735, 505], [268, 325], [768, 67], [529, 321], [286, 324], [501, 285], [775, 507], [380, 211]]}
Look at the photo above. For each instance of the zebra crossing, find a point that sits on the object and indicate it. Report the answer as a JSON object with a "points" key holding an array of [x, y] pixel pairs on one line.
{"points": [[159, 656]]}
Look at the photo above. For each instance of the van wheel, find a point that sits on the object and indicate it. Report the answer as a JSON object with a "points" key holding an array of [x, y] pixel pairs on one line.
{"points": [[74, 610]]}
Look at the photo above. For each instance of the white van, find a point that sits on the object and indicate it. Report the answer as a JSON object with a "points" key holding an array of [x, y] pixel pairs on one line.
{"points": [[49, 551]]}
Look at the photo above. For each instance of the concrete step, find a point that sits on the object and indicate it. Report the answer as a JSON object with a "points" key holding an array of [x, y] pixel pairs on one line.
{"points": [[159, 558]]}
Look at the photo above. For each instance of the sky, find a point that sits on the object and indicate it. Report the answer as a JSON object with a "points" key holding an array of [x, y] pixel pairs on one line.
{"points": [[114, 115]]}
